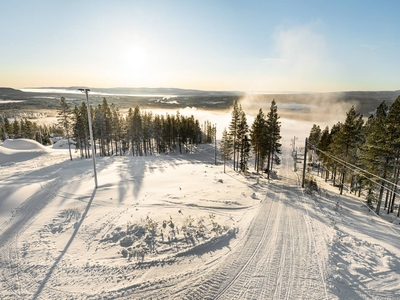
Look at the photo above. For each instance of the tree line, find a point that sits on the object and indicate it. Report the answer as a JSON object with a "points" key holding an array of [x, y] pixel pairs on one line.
{"points": [[27, 129], [363, 154], [262, 139], [137, 133]]}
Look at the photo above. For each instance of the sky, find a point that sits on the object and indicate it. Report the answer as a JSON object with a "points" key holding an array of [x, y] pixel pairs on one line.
{"points": [[250, 46]]}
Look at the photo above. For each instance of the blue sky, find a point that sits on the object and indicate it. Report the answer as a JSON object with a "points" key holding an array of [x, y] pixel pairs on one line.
{"points": [[314, 46]]}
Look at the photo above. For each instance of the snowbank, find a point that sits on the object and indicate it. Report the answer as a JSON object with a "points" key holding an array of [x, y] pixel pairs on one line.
{"points": [[13, 151], [23, 144], [63, 144]]}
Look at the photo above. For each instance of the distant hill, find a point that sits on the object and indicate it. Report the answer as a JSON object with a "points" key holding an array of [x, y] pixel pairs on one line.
{"points": [[48, 98], [148, 91], [5, 91]]}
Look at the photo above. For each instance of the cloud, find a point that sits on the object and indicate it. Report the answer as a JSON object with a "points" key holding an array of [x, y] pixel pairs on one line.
{"points": [[299, 59], [301, 44]]}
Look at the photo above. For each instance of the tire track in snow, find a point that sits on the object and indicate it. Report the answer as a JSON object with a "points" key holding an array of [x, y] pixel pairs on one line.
{"points": [[23, 216], [12, 228], [278, 258], [247, 263], [288, 257]]}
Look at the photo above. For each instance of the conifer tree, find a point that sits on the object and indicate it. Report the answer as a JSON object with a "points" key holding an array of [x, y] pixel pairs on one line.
{"points": [[233, 129], [257, 137], [376, 154], [64, 119], [393, 137], [323, 145], [226, 144], [242, 131], [16, 129], [274, 136], [245, 153], [315, 135], [347, 141], [7, 127]]}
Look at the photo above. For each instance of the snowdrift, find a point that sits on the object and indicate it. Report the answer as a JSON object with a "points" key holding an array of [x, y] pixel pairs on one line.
{"points": [[13, 151], [23, 144], [63, 144]]}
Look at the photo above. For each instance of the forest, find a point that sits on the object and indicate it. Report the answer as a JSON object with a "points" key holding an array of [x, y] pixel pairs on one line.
{"points": [[362, 155], [141, 133]]}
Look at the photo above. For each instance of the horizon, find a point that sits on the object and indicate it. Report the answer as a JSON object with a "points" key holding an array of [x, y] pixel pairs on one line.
{"points": [[69, 88], [307, 47]]}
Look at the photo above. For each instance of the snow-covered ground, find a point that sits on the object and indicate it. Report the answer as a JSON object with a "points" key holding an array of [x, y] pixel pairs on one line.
{"points": [[178, 227]]}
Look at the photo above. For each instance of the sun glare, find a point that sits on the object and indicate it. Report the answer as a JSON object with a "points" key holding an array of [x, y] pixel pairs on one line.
{"points": [[135, 57]]}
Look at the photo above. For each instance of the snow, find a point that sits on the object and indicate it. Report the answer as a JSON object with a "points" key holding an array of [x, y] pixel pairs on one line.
{"points": [[23, 144], [63, 144], [187, 231], [13, 151]]}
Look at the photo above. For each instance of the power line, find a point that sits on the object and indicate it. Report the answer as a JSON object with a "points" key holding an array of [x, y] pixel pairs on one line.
{"points": [[362, 170], [347, 164]]}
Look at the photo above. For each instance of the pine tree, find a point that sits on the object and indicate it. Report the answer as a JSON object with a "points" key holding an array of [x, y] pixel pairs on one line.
{"points": [[323, 145], [274, 136], [242, 131], [315, 135], [257, 137], [233, 129], [226, 144], [64, 119], [393, 137], [346, 142], [376, 153], [244, 155], [16, 129], [7, 127]]}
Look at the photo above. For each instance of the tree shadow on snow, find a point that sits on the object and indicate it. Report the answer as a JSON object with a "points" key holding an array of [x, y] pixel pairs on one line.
{"points": [[54, 266]]}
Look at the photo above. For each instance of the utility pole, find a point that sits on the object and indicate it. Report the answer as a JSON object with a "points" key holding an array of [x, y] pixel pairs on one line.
{"points": [[91, 135], [305, 164]]}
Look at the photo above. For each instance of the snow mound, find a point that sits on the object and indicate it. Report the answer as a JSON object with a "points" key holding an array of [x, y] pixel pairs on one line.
{"points": [[63, 144], [23, 144], [13, 151]]}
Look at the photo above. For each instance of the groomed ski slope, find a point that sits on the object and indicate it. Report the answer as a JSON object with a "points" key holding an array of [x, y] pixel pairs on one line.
{"points": [[276, 241]]}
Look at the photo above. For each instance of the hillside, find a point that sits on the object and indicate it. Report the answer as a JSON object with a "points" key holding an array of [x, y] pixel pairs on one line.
{"points": [[178, 227]]}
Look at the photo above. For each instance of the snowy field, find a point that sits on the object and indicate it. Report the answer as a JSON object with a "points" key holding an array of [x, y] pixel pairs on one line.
{"points": [[178, 227]]}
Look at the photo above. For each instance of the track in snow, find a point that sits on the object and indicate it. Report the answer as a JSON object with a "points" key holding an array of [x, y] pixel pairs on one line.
{"points": [[282, 257]]}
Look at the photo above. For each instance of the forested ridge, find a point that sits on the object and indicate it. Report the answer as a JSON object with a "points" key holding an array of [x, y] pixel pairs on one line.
{"points": [[362, 155]]}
